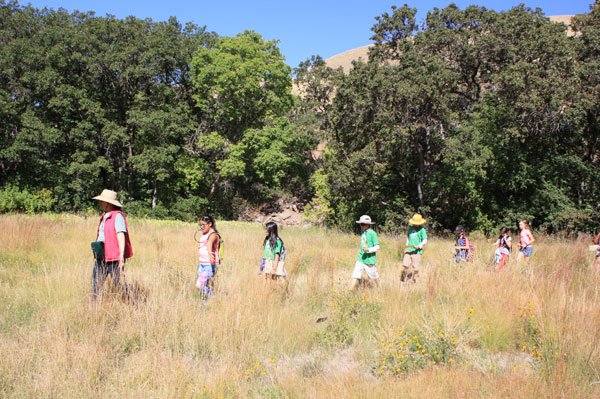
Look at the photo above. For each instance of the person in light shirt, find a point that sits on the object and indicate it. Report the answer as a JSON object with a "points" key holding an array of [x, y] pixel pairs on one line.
{"points": [[367, 253], [526, 241], [112, 247]]}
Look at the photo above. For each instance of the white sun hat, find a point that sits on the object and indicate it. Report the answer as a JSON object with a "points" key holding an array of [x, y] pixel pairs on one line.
{"points": [[365, 219], [109, 196]]}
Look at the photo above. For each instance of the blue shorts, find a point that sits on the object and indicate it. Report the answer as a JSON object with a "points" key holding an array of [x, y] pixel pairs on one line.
{"points": [[527, 251]]}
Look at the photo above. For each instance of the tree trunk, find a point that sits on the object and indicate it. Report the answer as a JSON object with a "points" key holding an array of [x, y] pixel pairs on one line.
{"points": [[154, 196], [213, 187], [421, 174]]}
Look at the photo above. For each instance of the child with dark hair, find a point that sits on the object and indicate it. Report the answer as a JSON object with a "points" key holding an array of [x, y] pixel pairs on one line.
{"points": [[504, 247], [274, 253], [208, 251], [462, 247]]}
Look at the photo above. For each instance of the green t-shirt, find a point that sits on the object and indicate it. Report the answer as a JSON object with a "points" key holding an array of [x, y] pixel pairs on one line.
{"points": [[269, 252], [416, 235], [369, 239]]}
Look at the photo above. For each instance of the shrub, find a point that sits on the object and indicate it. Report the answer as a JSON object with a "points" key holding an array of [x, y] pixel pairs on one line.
{"points": [[350, 313], [13, 199], [407, 352]]}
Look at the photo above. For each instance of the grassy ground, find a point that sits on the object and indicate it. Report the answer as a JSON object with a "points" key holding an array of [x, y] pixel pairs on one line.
{"points": [[461, 331]]}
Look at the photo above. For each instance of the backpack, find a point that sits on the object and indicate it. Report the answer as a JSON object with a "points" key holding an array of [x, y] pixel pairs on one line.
{"points": [[504, 244], [470, 251], [283, 252]]}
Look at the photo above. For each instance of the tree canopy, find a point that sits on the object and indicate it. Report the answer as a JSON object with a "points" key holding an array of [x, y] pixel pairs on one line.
{"points": [[470, 116]]}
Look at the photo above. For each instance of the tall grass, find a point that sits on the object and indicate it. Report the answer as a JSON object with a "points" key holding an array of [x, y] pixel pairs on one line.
{"points": [[531, 331]]}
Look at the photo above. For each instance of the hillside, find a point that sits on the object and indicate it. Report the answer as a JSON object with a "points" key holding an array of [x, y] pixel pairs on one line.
{"points": [[345, 59]]}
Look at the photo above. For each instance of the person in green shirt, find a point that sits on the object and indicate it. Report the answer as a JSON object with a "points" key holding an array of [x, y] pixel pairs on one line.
{"points": [[416, 240], [367, 254], [274, 255]]}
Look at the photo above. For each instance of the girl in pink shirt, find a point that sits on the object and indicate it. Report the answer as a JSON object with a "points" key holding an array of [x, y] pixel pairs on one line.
{"points": [[526, 241], [208, 255]]}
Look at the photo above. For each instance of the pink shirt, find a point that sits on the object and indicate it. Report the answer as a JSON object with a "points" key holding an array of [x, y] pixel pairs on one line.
{"points": [[204, 255], [525, 238]]}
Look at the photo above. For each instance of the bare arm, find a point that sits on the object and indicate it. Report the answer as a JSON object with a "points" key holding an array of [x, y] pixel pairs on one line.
{"points": [[212, 244], [121, 242]]}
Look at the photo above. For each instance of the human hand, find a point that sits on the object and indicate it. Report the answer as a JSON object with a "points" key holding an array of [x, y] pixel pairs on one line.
{"points": [[121, 264]]}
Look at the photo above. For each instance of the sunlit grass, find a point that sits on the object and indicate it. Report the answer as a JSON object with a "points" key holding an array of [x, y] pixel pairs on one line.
{"points": [[531, 331]]}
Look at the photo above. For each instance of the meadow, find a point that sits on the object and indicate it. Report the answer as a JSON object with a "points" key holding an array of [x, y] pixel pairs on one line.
{"points": [[461, 331]]}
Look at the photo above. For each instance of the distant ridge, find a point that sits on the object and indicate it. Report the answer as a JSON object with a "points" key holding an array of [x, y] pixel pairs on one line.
{"points": [[345, 59]]}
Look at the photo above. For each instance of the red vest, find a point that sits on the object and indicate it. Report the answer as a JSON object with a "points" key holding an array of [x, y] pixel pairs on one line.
{"points": [[111, 244]]}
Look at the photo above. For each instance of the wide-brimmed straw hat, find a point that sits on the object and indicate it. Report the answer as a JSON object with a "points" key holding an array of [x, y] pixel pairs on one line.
{"points": [[109, 196], [417, 220], [365, 219]]}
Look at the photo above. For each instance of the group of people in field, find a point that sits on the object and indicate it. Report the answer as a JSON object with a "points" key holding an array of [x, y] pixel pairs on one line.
{"points": [[464, 250], [113, 247]]}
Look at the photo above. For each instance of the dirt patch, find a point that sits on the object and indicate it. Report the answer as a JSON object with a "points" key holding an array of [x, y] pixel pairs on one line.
{"points": [[501, 361], [316, 363], [282, 212]]}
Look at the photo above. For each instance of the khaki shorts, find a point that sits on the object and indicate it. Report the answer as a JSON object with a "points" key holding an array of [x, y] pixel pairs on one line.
{"points": [[412, 260]]}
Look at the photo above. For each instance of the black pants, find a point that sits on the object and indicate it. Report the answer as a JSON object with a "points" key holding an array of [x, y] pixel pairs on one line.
{"points": [[101, 271]]}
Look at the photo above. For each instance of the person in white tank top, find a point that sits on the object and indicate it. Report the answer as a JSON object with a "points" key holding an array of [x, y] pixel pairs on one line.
{"points": [[208, 255]]}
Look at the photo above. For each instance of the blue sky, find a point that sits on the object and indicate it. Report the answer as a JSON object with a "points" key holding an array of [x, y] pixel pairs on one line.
{"points": [[304, 28]]}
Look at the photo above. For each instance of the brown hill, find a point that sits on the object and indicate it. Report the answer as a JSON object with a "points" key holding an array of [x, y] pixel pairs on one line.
{"points": [[345, 59]]}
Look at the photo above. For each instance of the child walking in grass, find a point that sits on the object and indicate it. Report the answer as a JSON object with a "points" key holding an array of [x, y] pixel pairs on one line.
{"points": [[504, 247], [463, 250], [208, 255], [367, 254], [415, 242], [274, 254], [526, 241]]}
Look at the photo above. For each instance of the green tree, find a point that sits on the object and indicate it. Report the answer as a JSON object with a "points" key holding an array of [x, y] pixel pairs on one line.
{"points": [[461, 118], [240, 83]]}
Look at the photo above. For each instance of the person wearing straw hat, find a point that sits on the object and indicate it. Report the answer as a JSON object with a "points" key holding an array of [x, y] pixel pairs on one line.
{"points": [[416, 240], [112, 246], [367, 254]]}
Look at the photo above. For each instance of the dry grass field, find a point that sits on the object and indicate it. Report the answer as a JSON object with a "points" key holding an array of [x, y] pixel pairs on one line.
{"points": [[461, 331]]}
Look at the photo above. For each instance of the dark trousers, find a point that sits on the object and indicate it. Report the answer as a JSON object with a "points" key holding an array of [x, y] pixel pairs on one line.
{"points": [[101, 271]]}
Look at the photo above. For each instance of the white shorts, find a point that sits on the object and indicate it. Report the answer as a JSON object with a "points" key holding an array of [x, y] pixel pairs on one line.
{"points": [[370, 269], [280, 268]]}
